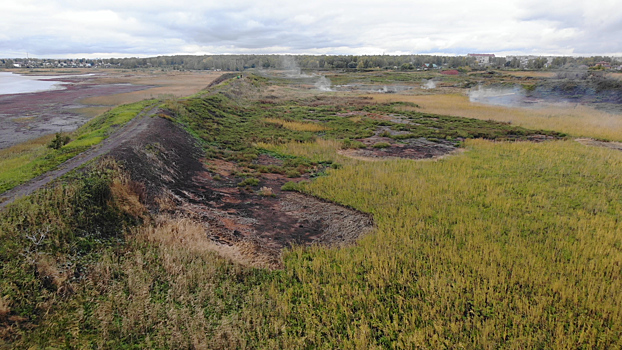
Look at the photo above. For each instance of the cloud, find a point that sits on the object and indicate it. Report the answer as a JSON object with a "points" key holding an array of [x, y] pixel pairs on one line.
{"points": [[66, 28]]}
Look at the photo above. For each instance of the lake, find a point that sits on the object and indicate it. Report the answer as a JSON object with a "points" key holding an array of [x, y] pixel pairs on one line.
{"points": [[21, 84]]}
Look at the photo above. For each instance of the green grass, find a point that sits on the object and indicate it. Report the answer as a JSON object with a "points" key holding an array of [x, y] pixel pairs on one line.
{"points": [[510, 245], [25, 161]]}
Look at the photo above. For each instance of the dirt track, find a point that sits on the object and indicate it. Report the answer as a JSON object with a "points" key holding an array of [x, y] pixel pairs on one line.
{"points": [[140, 123]]}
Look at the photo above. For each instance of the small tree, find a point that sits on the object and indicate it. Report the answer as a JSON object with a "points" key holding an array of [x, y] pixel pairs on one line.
{"points": [[59, 141]]}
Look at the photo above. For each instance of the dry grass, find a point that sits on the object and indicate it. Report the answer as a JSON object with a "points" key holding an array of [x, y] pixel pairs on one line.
{"points": [[615, 75], [191, 236], [573, 120], [318, 151], [92, 112], [5, 308], [176, 84], [296, 126], [512, 245], [530, 74]]}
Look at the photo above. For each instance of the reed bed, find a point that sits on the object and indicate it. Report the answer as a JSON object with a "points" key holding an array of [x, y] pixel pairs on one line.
{"points": [[574, 120]]}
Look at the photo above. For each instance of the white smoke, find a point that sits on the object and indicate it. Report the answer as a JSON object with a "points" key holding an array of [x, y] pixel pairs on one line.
{"points": [[323, 84], [291, 67], [510, 96], [429, 84]]}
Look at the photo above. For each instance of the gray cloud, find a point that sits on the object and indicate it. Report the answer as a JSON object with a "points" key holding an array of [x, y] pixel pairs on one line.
{"points": [[63, 28]]}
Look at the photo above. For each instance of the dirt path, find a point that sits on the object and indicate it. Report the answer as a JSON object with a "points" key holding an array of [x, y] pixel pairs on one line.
{"points": [[592, 142], [138, 124]]}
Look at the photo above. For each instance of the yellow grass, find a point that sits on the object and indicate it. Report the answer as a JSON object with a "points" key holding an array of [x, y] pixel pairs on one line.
{"points": [[573, 120], [296, 126], [530, 74], [615, 75], [172, 84], [320, 150], [511, 245]]}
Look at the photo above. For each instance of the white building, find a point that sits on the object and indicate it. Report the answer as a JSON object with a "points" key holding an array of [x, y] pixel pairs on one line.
{"points": [[482, 58]]}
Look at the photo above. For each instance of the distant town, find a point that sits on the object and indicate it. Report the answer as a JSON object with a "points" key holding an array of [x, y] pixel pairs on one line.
{"points": [[471, 61]]}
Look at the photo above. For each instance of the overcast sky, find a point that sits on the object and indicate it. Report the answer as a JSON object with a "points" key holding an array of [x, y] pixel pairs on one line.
{"points": [[125, 28]]}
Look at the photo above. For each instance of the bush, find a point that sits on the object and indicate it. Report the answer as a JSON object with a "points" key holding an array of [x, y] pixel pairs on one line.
{"points": [[293, 173], [59, 141], [290, 186], [352, 144], [251, 181]]}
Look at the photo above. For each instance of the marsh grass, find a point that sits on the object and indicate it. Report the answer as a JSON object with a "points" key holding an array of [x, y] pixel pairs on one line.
{"points": [[320, 150], [511, 245], [574, 120]]}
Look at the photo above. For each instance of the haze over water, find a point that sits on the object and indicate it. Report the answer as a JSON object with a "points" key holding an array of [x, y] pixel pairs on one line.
{"points": [[20, 84]]}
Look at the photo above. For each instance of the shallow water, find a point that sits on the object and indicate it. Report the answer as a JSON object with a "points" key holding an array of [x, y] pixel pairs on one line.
{"points": [[21, 84]]}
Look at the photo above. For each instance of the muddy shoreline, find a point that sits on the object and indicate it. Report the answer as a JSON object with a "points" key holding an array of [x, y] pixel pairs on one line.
{"points": [[28, 116]]}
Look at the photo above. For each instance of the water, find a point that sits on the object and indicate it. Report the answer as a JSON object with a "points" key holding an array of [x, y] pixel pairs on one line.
{"points": [[22, 84]]}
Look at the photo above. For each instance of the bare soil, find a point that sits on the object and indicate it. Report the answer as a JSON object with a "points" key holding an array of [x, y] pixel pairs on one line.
{"points": [[259, 220], [605, 144]]}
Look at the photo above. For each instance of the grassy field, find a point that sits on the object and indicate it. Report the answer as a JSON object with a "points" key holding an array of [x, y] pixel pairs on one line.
{"points": [[511, 245], [508, 245]]}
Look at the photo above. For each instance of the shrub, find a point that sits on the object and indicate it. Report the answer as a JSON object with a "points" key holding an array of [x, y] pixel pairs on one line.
{"points": [[266, 191], [293, 173], [352, 144], [251, 181], [290, 186], [59, 141]]}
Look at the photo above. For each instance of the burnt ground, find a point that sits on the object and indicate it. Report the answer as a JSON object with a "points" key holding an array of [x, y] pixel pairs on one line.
{"points": [[419, 148], [411, 148], [28, 116], [261, 219]]}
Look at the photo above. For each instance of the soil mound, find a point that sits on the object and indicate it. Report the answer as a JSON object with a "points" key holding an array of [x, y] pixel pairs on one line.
{"points": [[258, 221]]}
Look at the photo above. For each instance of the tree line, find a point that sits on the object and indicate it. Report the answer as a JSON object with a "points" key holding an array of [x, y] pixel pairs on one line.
{"points": [[310, 62]]}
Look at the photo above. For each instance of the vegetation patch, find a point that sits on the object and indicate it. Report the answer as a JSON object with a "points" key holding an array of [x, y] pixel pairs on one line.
{"points": [[25, 161], [512, 244]]}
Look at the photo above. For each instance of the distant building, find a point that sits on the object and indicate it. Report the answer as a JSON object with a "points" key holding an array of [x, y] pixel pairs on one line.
{"points": [[427, 66], [482, 58], [603, 64]]}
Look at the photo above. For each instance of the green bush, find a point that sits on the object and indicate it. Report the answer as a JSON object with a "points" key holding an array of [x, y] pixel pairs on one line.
{"points": [[290, 186], [59, 141], [251, 181]]}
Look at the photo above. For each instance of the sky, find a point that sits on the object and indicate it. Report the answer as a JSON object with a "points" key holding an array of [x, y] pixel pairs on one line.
{"points": [[146, 28]]}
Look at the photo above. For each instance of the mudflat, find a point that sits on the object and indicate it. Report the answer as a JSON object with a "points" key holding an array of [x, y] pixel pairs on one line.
{"points": [[86, 93]]}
